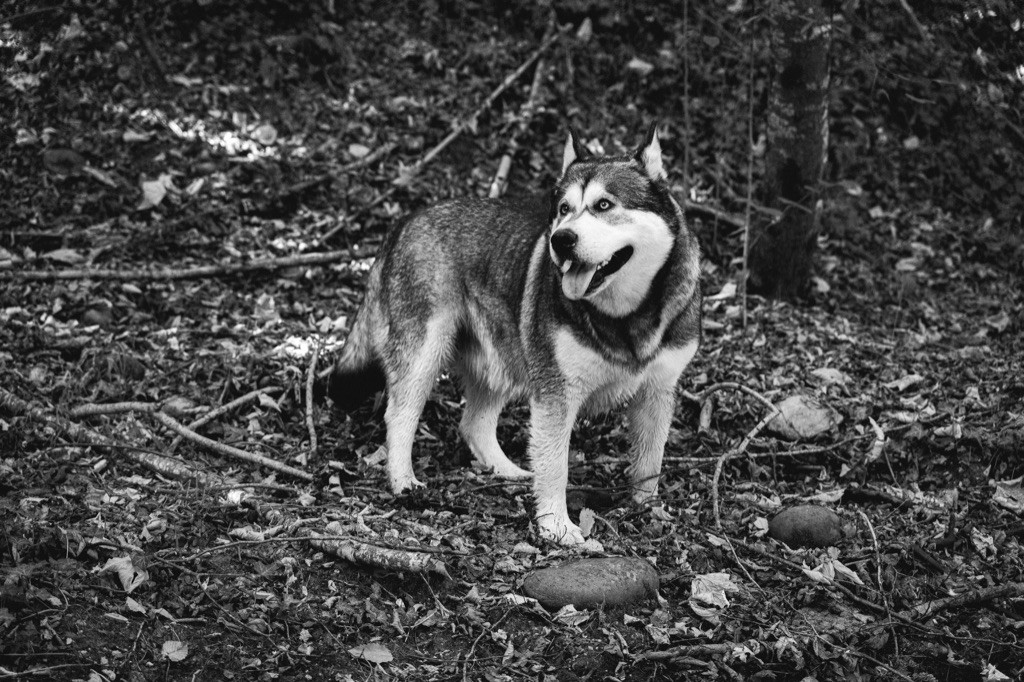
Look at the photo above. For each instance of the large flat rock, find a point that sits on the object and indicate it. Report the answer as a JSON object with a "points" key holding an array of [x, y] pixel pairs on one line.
{"points": [[588, 583]]}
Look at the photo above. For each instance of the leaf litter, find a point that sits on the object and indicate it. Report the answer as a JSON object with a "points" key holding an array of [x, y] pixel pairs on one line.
{"points": [[114, 571]]}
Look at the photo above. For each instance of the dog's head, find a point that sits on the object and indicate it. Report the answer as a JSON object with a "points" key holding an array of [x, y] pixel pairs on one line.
{"points": [[613, 225]]}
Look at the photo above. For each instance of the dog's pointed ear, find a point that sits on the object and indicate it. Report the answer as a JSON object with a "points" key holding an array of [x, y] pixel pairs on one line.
{"points": [[649, 155], [574, 151]]}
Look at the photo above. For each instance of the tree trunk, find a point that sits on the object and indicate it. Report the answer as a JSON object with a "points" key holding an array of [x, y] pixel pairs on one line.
{"points": [[781, 253]]}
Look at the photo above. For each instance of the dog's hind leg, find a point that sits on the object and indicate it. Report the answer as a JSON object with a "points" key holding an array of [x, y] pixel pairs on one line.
{"points": [[412, 366], [479, 427]]}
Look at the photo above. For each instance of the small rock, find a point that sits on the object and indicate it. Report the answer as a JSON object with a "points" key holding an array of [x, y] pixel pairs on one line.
{"points": [[808, 525], [802, 417], [588, 583]]}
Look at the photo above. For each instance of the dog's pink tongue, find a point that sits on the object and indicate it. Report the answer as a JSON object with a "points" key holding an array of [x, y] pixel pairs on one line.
{"points": [[576, 281]]}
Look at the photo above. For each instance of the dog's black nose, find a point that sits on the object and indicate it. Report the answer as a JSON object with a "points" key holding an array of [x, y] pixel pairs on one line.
{"points": [[563, 242]]}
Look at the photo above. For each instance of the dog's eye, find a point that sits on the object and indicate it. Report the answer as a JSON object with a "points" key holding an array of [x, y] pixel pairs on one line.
{"points": [[563, 209], [603, 205]]}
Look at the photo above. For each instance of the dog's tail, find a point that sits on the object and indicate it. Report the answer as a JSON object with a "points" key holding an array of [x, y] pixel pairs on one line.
{"points": [[358, 374]]}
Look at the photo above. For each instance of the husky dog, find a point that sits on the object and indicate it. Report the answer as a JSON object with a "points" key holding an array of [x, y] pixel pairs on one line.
{"points": [[579, 305]]}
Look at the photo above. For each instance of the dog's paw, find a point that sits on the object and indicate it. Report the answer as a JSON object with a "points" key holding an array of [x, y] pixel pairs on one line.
{"points": [[403, 484], [510, 471], [560, 530], [646, 493]]}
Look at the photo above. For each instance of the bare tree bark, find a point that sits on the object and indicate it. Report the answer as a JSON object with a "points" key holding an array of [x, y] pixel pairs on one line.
{"points": [[782, 251]]}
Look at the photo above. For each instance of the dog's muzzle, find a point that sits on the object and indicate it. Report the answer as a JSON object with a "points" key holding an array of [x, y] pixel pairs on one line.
{"points": [[563, 242]]}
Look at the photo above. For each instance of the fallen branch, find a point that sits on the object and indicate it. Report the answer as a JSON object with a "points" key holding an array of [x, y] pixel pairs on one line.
{"points": [[918, 26], [707, 211], [381, 557], [228, 450], [224, 409], [310, 426], [94, 410], [706, 395], [967, 599], [147, 45], [164, 466], [309, 183], [461, 126], [731, 454], [500, 182], [264, 264], [689, 650]]}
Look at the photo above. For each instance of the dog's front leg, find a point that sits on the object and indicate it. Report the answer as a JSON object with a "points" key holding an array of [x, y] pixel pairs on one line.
{"points": [[650, 417], [551, 421]]}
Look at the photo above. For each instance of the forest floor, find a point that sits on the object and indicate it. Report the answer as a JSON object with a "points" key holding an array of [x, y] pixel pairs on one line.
{"points": [[172, 143]]}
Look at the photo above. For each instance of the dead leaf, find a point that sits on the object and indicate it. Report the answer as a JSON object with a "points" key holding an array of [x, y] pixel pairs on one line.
{"points": [[831, 375], [905, 382], [135, 136], [728, 291], [358, 151], [174, 651], [71, 30], [586, 31], [134, 606], [153, 192], [999, 322], [639, 66], [66, 256], [130, 576], [374, 652]]}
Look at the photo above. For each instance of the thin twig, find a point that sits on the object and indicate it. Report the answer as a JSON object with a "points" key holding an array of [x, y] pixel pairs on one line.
{"points": [[500, 182], [730, 454], [733, 386], [708, 211], [263, 264], [878, 578], [228, 450], [462, 125], [686, 101], [972, 598], [147, 45], [224, 409], [918, 26], [689, 650], [310, 426], [164, 466], [750, 185], [40, 672]]}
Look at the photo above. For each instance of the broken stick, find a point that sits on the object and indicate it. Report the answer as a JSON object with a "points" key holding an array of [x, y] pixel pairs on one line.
{"points": [[382, 557], [263, 264], [310, 426], [164, 466], [461, 126], [228, 450], [190, 435], [500, 182]]}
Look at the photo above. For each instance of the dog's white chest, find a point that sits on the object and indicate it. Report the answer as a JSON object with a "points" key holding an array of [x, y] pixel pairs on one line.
{"points": [[599, 384]]}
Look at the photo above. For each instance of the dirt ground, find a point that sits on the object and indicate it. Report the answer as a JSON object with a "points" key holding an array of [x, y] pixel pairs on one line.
{"points": [[149, 142]]}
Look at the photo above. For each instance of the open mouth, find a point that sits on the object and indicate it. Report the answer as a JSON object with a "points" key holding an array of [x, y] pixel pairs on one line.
{"points": [[579, 280]]}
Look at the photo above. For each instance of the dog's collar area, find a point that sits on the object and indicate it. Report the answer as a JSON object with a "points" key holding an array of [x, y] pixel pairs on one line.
{"points": [[610, 267]]}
